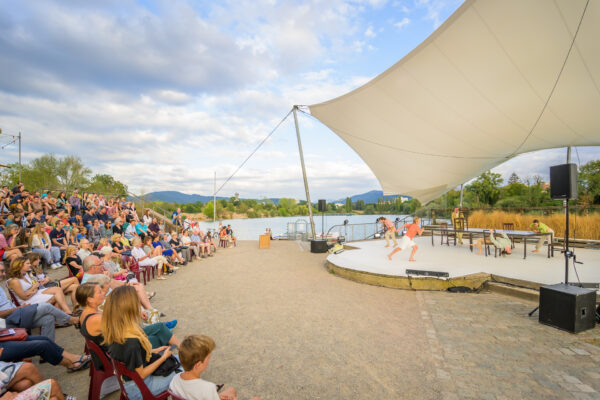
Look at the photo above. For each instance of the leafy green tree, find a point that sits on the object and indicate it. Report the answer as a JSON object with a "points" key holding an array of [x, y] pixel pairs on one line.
{"points": [[348, 206], [71, 173], [589, 181], [369, 209], [104, 183], [514, 178], [359, 205], [487, 187]]}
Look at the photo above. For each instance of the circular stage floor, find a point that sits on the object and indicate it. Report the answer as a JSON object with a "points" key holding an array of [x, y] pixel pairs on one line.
{"points": [[367, 262]]}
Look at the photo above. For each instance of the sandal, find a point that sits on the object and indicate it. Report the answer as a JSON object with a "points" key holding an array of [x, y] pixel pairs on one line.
{"points": [[84, 363], [219, 387], [151, 295]]}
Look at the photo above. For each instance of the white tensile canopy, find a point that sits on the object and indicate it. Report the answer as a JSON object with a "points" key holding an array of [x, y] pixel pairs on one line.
{"points": [[497, 79]]}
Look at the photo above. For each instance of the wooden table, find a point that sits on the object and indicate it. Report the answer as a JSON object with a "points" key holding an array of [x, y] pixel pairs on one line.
{"points": [[485, 232]]}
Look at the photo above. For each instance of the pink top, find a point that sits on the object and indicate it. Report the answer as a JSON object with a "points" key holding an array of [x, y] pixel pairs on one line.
{"points": [[3, 243], [389, 224]]}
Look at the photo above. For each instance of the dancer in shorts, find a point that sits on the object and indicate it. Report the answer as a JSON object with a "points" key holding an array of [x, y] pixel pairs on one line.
{"points": [[390, 233], [407, 239]]}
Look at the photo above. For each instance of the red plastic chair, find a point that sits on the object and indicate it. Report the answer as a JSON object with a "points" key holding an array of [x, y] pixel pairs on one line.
{"points": [[14, 298], [135, 267], [174, 396], [97, 377], [122, 371]]}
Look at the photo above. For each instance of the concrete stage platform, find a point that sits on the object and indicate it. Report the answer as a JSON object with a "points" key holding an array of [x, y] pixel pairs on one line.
{"points": [[367, 262]]}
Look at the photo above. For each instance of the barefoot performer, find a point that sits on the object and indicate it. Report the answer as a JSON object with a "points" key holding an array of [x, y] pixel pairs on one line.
{"points": [[390, 232], [407, 239]]}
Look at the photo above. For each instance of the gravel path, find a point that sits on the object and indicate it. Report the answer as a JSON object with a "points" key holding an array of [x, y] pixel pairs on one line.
{"points": [[285, 328]]}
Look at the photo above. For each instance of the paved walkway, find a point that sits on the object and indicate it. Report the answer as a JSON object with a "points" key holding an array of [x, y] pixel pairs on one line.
{"points": [[285, 328]]}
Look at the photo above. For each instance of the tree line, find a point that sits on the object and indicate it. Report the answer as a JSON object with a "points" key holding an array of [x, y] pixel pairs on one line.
{"points": [[486, 191]]}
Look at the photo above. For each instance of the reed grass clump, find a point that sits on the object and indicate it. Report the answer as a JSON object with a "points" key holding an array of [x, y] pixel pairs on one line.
{"points": [[580, 226]]}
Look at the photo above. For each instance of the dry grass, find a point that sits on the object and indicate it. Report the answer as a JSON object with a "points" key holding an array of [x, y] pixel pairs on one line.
{"points": [[581, 227]]}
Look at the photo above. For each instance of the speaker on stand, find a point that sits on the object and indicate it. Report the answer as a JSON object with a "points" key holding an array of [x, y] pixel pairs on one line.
{"points": [[565, 306], [320, 246]]}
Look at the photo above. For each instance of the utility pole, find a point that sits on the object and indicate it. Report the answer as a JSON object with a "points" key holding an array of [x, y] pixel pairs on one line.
{"points": [[21, 167], [215, 204], [15, 138]]}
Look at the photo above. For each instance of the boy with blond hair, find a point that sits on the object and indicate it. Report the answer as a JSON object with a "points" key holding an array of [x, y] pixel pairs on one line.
{"points": [[194, 353]]}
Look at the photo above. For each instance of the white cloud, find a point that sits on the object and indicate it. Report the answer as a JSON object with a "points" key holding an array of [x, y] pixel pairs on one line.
{"points": [[370, 33], [402, 23]]}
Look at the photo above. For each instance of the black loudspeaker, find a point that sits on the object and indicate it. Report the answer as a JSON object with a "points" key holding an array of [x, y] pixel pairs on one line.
{"points": [[322, 205], [563, 181], [568, 307], [318, 246]]}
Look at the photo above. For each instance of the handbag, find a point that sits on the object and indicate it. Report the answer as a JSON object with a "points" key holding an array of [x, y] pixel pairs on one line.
{"points": [[19, 335], [169, 366]]}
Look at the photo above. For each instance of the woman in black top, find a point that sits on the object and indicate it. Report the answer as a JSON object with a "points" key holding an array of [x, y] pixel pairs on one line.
{"points": [[73, 262], [128, 344], [90, 296]]}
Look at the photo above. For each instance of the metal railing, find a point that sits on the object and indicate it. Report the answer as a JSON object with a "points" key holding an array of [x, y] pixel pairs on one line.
{"points": [[355, 232]]}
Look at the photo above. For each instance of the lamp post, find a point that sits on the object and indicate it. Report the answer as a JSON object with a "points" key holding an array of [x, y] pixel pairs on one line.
{"points": [[15, 138]]}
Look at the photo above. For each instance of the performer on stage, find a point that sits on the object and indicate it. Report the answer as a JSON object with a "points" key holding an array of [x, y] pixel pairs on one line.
{"points": [[457, 214], [390, 232], [407, 239]]}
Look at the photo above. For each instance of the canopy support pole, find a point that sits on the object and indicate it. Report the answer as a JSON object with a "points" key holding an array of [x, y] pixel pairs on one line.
{"points": [[215, 204], [308, 203], [461, 195]]}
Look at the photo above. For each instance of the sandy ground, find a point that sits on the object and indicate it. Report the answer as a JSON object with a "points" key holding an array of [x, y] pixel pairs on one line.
{"points": [[285, 328]]}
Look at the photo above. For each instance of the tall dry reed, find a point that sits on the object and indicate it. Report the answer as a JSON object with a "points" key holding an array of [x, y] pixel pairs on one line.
{"points": [[580, 226]]}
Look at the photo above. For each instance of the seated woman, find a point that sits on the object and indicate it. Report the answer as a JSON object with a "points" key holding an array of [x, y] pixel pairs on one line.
{"points": [[156, 252], [29, 291], [45, 348], [503, 243], [117, 244], [72, 237], [40, 243], [179, 247], [112, 263], [167, 250], [129, 344], [142, 258], [106, 230], [95, 233], [67, 285], [24, 380], [208, 240], [90, 297], [73, 262], [8, 251]]}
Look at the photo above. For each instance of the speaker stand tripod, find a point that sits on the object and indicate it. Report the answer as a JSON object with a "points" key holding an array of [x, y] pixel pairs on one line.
{"points": [[568, 253]]}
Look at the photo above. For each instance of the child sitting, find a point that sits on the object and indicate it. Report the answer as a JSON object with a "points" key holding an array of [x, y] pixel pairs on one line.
{"points": [[194, 353]]}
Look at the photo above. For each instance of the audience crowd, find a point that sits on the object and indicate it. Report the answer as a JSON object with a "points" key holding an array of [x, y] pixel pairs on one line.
{"points": [[106, 249]]}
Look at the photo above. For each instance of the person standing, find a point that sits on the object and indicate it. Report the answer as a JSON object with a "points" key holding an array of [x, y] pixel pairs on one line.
{"points": [[407, 240], [461, 224], [390, 232], [540, 227]]}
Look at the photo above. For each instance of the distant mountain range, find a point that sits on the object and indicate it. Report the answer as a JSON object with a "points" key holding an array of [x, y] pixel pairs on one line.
{"points": [[183, 198]]}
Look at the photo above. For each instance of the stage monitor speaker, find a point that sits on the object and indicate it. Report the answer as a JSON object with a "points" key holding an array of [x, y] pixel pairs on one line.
{"points": [[563, 181], [322, 205], [318, 246], [568, 307]]}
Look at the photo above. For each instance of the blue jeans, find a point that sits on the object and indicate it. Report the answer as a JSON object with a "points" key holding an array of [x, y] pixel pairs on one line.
{"points": [[156, 385], [33, 346]]}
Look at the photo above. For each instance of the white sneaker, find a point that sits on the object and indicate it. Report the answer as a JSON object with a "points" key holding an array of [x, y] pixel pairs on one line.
{"points": [[56, 266]]}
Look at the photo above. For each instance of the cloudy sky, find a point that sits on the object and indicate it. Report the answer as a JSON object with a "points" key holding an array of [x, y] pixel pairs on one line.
{"points": [[161, 94]]}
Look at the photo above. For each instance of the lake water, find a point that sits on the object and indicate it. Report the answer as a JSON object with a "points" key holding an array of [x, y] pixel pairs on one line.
{"points": [[251, 228]]}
